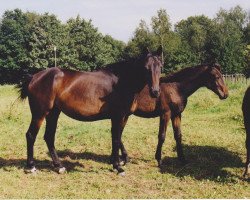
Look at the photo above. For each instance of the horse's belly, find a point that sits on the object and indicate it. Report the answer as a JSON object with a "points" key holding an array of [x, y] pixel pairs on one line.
{"points": [[146, 114], [81, 117], [84, 110]]}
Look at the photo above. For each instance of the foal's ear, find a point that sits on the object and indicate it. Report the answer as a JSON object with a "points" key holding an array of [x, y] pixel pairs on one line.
{"points": [[217, 66]]}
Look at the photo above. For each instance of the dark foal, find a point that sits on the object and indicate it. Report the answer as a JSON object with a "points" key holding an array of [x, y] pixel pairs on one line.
{"points": [[246, 116], [107, 93], [175, 90]]}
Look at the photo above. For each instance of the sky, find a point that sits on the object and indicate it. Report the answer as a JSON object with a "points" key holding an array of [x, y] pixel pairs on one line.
{"points": [[119, 18]]}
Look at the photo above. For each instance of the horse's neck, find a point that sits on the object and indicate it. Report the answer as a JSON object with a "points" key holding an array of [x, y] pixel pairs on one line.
{"points": [[191, 85]]}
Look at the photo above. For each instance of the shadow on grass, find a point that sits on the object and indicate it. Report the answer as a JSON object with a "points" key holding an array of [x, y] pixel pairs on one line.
{"points": [[204, 162], [44, 165], [68, 158], [84, 155]]}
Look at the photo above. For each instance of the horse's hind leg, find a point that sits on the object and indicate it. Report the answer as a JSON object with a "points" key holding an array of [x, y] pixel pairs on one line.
{"points": [[49, 137], [31, 134], [176, 123]]}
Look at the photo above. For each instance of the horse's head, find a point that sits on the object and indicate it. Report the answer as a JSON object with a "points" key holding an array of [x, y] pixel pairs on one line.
{"points": [[153, 65], [215, 81]]}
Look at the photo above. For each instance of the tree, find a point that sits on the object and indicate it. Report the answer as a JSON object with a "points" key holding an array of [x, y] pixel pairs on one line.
{"points": [[88, 47], [47, 33], [14, 36], [143, 38], [228, 40], [247, 59], [195, 33]]}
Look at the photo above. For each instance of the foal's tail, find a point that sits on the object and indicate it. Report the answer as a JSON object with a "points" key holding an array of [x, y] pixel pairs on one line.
{"points": [[23, 86]]}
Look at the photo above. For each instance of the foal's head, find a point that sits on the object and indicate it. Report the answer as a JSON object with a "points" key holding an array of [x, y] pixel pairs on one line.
{"points": [[153, 65], [215, 82]]}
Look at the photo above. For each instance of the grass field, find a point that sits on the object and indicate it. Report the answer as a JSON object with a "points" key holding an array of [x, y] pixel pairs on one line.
{"points": [[213, 139]]}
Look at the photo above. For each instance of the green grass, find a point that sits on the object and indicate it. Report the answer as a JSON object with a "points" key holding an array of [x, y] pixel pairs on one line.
{"points": [[213, 140]]}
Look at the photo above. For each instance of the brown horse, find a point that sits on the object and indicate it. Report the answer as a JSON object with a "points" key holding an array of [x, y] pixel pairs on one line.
{"points": [[175, 90], [246, 115], [107, 93]]}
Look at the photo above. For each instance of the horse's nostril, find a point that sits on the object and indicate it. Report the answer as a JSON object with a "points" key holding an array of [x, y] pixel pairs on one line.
{"points": [[155, 93]]}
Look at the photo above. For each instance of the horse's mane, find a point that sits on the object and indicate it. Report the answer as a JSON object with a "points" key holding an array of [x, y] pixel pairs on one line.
{"points": [[183, 74], [120, 66]]}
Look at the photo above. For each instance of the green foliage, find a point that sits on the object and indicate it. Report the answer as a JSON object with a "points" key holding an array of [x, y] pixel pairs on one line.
{"points": [[195, 33], [27, 42], [247, 57], [88, 48], [196, 40], [228, 40], [47, 32], [14, 37]]}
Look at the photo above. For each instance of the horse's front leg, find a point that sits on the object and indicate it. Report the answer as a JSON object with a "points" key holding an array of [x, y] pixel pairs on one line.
{"points": [[164, 119], [176, 123], [116, 130], [124, 156]]}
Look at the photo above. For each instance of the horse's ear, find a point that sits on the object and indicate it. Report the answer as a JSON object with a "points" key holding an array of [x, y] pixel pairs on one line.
{"points": [[145, 51], [159, 51]]}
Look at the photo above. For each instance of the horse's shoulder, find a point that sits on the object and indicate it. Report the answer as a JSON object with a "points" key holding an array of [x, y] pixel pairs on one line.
{"points": [[173, 96]]}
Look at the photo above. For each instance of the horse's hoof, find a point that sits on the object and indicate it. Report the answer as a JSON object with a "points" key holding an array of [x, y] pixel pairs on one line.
{"points": [[30, 170], [159, 163], [119, 171], [61, 170], [122, 163], [122, 173], [246, 175]]}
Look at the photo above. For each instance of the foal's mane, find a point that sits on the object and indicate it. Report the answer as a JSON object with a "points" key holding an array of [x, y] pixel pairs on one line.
{"points": [[184, 74]]}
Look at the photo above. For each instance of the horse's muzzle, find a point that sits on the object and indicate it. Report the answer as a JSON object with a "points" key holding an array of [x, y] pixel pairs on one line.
{"points": [[155, 93]]}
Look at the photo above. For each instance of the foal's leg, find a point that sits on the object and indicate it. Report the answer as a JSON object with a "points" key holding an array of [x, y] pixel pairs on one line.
{"points": [[164, 119], [117, 124], [176, 123], [49, 137], [31, 134]]}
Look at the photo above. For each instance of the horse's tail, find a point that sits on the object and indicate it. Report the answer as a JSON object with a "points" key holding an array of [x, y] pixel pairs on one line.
{"points": [[23, 86], [246, 116]]}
